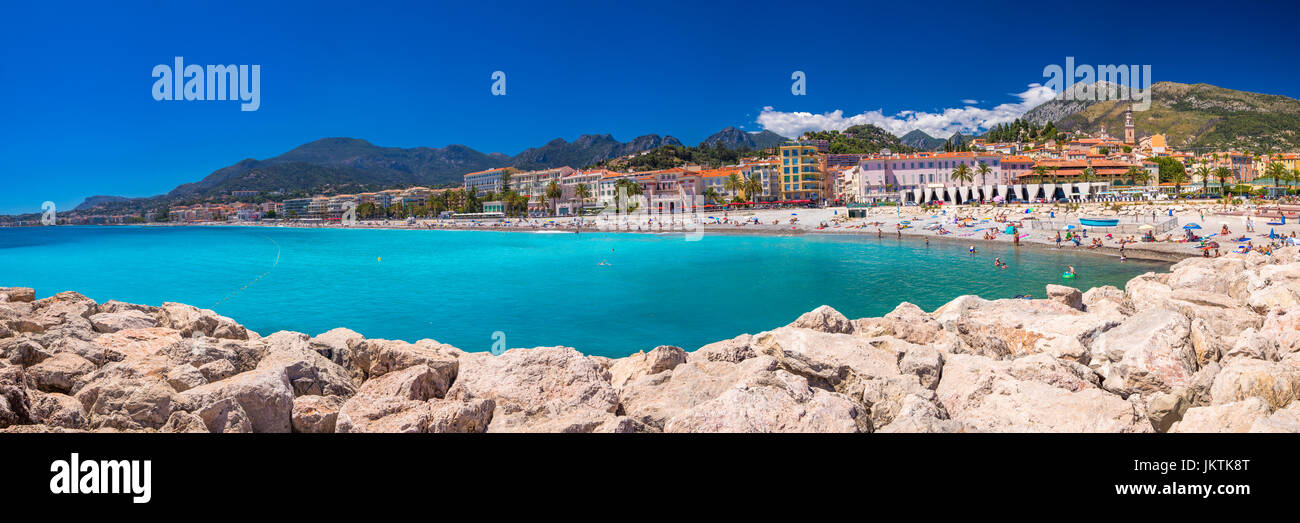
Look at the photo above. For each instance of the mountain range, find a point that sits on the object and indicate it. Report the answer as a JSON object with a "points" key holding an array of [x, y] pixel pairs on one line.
{"points": [[352, 164], [922, 141], [736, 139], [1190, 116]]}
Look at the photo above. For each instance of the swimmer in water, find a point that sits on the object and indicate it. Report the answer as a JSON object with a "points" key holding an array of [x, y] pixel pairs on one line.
{"points": [[997, 262], [971, 249], [1070, 270]]}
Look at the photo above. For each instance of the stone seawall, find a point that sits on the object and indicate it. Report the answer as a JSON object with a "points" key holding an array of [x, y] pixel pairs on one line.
{"points": [[1211, 346]]}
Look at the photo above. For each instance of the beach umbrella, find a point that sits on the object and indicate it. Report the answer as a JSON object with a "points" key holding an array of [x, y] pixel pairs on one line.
{"points": [[1067, 227], [1146, 227], [1212, 245], [1191, 226]]}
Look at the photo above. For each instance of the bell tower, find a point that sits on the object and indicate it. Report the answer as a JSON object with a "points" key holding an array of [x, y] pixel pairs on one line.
{"points": [[1128, 126]]}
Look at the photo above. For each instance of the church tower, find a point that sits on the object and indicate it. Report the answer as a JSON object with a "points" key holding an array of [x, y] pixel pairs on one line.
{"points": [[1128, 126]]}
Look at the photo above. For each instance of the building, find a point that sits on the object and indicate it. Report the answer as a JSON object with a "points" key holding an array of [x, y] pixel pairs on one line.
{"points": [[1128, 127], [801, 172], [297, 207], [483, 182]]}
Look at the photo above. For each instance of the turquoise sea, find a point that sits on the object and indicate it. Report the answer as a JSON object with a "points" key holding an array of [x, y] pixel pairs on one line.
{"points": [[460, 287]]}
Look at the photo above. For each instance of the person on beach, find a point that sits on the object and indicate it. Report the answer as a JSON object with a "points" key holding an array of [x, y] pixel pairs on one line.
{"points": [[1058, 239]]}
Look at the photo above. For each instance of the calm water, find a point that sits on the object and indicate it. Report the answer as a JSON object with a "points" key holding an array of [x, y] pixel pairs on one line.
{"points": [[539, 289]]}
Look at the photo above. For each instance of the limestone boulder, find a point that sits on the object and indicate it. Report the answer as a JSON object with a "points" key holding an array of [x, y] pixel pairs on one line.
{"points": [[60, 372], [984, 395], [545, 389], [316, 414], [184, 423], [344, 347], [265, 395], [660, 359], [1238, 416], [824, 319], [191, 320], [906, 322], [57, 410], [1283, 420], [1068, 296], [374, 413], [1276, 383], [394, 355], [1150, 352], [775, 402], [116, 321], [121, 397], [15, 401], [308, 372], [734, 350], [17, 294]]}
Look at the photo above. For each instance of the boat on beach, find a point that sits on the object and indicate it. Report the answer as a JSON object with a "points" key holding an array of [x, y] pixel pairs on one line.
{"points": [[1099, 222]]}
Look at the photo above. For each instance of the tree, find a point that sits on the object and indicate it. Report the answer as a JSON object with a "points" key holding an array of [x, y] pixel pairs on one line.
{"points": [[984, 170], [711, 195], [1223, 174], [1204, 173], [733, 184], [753, 187], [554, 193], [1137, 175], [582, 192], [1178, 177], [1279, 174], [1040, 172], [962, 173]]}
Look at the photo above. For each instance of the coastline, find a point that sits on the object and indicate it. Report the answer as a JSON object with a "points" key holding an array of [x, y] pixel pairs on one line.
{"points": [[1196, 349]]}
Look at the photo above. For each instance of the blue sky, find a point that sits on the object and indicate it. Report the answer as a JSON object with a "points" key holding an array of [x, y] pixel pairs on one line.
{"points": [[78, 118]]}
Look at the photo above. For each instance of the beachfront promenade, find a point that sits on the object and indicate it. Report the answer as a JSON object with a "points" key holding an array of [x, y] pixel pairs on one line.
{"points": [[1036, 225]]}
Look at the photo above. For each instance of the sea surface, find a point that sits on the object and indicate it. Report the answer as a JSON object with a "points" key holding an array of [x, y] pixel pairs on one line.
{"points": [[537, 289]]}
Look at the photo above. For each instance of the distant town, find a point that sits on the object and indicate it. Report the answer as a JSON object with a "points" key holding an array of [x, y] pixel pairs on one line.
{"points": [[804, 172]]}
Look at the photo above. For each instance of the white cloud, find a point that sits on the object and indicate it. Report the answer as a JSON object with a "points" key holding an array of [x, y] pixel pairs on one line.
{"points": [[968, 101], [941, 124]]}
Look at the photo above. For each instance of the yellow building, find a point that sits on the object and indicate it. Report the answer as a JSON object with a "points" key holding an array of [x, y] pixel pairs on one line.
{"points": [[801, 173]]}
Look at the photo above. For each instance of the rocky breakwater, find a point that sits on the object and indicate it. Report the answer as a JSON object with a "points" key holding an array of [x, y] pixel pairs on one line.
{"points": [[1213, 345]]}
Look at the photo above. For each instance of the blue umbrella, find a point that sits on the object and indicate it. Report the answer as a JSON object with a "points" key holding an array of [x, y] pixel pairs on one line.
{"points": [[1191, 226]]}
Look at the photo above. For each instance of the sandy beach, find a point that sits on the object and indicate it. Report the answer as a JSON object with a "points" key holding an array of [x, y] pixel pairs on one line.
{"points": [[1038, 226]]}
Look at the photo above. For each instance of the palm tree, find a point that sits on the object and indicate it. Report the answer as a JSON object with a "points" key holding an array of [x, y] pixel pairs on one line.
{"points": [[1179, 178], [753, 187], [984, 170], [962, 173], [1278, 173], [711, 195], [1223, 174], [554, 193], [1138, 175], [733, 184], [582, 192], [541, 200], [1204, 172], [1040, 171]]}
